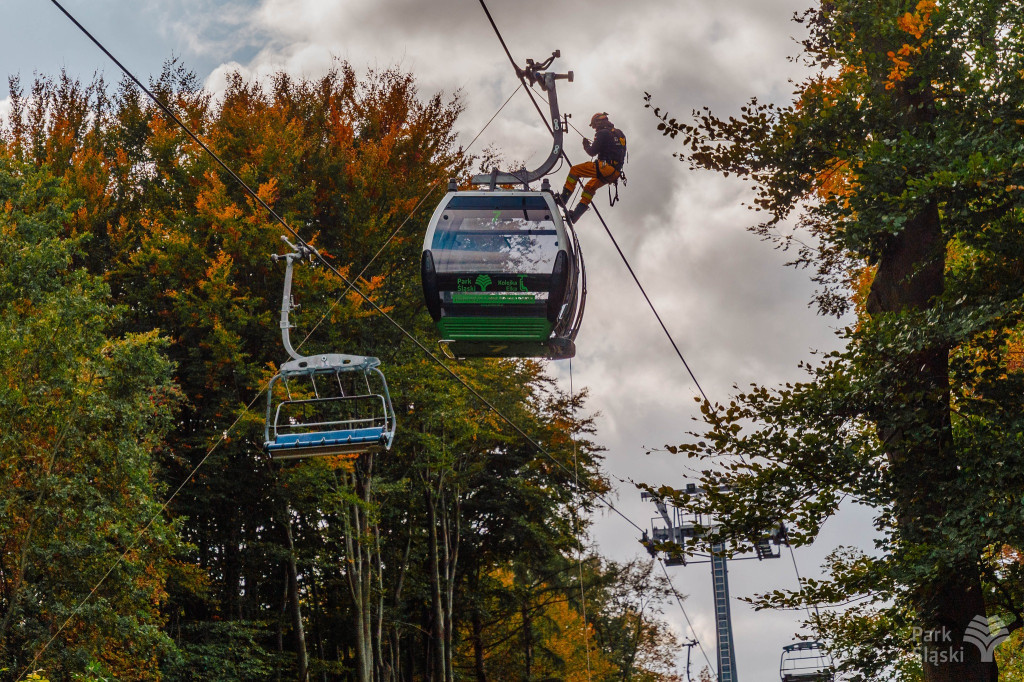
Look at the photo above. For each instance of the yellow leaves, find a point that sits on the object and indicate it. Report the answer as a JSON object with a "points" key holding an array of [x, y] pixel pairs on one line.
{"points": [[163, 132], [1014, 354], [911, 24], [557, 627], [826, 92], [267, 191], [367, 286], [900, 69], [574, 641], [914, 24], [901, 62]]}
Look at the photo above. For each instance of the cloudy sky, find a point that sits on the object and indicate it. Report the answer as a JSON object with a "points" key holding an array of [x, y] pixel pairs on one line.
{"points": [[737, 314]]}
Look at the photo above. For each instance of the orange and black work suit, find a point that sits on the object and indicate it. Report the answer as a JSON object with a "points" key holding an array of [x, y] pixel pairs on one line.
{"points": [[610, 147]]}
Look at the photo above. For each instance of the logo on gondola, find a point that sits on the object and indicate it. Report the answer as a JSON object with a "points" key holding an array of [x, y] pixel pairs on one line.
{"points": [[483, 281]]}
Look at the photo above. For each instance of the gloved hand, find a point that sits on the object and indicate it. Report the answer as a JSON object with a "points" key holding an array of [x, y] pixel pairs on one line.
{"points": [[586, 143]]}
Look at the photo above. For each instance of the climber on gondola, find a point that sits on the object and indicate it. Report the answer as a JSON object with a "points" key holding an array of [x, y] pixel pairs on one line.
{"points": [[609, 146]]}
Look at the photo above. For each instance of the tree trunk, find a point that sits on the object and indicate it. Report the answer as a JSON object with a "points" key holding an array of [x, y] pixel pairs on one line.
{"points": [[478, 646], [527, 637], [451, 527], [293, 583], [318, 625], [358, 576], [395, 645], [367, 557], [382, 670], [438, 630], [285, 594], [627, 673], [911, 276], [233, 570]]}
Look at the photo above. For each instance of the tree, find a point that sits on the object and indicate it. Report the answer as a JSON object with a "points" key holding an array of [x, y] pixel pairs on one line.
{"points": [[902, 157], [85, 410]]}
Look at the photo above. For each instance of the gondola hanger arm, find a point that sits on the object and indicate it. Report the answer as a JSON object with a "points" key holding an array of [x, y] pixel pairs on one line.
{"points": [[534, 73]]}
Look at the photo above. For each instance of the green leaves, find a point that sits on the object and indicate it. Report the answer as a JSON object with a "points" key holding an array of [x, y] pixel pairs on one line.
{"points": [[86, 410]]}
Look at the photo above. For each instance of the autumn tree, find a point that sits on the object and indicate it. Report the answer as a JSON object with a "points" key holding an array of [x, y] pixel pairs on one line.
{"points": [[585, 619], [85, 408], [902, 158]]}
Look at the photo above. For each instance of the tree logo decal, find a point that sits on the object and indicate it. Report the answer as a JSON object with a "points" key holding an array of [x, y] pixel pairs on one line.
{"points": [[483, 281], [979, 633]]}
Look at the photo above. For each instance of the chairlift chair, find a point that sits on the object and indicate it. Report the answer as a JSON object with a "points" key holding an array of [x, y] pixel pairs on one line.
{"points": [[805, 662], [329, 404]]}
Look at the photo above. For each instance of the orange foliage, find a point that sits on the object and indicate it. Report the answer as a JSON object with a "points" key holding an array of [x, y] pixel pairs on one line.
{"points": [[836, 181], [184, 249], [1015, 354], [573, 641], [346, 463], [915, 24], [573, 648], [862, 281], [213, 202]]}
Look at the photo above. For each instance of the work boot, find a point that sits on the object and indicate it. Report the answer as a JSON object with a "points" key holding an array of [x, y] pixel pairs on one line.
{"points": [[563, 197], [578, 212]]}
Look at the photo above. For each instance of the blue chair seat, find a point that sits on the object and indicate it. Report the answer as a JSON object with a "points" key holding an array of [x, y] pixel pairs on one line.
{"points": [[373, 434]]}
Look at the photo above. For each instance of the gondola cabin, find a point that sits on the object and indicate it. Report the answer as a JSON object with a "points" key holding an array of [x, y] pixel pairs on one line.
{"points": [[501, 273]]}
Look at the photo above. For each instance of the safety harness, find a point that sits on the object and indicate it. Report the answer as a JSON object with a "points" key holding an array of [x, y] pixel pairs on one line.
{"points": [[625, 182], [617, 164]]}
